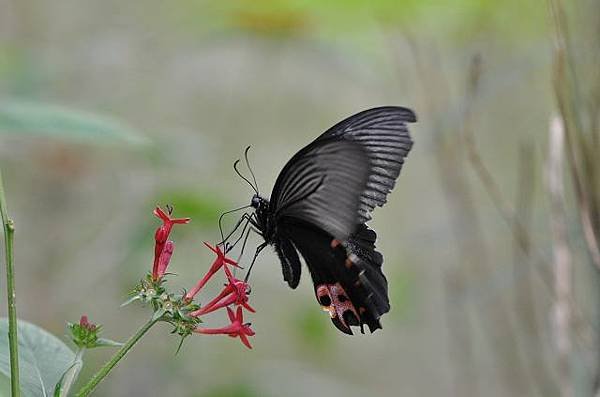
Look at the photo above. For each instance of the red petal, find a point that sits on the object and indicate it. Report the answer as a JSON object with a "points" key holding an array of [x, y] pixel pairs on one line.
{"points": [[245, 340], [202, 282], [239, 315], [161, 214], [230, 261], [210, 247], [217, 331], [248, 307], [215, 306], [165, 258], [231, 315], [248, 331]]}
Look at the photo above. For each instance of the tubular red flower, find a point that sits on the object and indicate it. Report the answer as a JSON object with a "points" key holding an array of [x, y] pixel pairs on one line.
{"points": [[221, 261], [161, 237], [236, 292], [235, 329], [165, 258]]}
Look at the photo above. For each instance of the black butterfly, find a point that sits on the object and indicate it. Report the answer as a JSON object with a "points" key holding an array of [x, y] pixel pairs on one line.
{"points": [[320, 203]]}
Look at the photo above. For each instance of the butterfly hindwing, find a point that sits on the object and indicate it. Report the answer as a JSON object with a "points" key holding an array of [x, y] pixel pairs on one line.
{"points": [[290, 262], [347, 277]]}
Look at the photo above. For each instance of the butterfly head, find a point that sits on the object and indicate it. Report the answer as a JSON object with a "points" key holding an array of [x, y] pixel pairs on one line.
{"points": [[259, 203], [261, 206]]}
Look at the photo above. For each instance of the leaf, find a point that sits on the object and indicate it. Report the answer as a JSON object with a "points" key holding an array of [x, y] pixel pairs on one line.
{"points": [[4, 386], [158, 314], [55, 121], [67, 380], [43, 358], [130, 300], [103, 342]]}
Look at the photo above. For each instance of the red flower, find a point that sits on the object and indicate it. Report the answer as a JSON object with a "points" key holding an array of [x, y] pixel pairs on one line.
{"points": [[236, 292], [235, 329], [161, 238], [220, 261], [165, 258], [84, 323]]}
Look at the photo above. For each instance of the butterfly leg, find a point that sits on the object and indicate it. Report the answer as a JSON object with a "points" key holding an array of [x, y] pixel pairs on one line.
{"points": [[240, 237], [258, 249], [245, 216], [252, 221]]}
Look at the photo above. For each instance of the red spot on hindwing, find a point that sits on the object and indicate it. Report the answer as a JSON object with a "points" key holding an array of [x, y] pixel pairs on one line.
{"points": [[337, 303]]}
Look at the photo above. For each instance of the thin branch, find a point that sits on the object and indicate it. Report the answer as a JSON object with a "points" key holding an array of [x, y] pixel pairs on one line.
{"points": [[562, 256]]}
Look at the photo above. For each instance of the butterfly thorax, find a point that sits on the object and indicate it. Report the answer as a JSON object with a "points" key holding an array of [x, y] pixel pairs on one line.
{"points": [[263, 217]]}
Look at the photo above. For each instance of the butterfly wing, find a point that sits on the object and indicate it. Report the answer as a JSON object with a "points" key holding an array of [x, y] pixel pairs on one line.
{"points": [[351, 184], [348, 280], [322, 185], [383, 133]]}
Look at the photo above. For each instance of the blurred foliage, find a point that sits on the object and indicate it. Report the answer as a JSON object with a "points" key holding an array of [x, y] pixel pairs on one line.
{"points": [[203, 207], [20, 117], [313, 328], [402, 295], [18, 74], [361, 21]]}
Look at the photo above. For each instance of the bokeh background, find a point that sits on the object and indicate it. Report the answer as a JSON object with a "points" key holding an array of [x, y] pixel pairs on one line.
{"points": [[109, 108]]}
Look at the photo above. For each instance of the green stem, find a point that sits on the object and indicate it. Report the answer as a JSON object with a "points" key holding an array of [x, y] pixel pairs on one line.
{"points": [[9, 231], [110, 364]]}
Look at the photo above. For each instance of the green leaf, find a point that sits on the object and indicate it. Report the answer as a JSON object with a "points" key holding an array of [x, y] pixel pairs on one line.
{"points": [[43, 358], [4, 386], [103, 342], [67, 380], [158, 314], [130, 300], [55, 121]]}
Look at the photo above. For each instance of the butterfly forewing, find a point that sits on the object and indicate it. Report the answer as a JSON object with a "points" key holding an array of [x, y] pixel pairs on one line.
{"points": [[321, 185], [383, 133]]}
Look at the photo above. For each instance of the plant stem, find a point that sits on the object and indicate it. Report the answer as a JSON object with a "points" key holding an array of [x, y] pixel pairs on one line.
{"points": [[9, 231], [110, 364]]}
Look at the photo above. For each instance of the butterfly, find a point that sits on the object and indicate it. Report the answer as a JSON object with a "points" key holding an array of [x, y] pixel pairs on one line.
{"points": [[319, 207]]}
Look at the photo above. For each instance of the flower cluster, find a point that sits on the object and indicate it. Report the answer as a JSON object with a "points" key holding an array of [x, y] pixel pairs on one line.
{"points": [[180, 309]]}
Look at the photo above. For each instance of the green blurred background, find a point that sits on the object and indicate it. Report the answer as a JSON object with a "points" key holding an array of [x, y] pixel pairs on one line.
{"points": [[112, 107]]}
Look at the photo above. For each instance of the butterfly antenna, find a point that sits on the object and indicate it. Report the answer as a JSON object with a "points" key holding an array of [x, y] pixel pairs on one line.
{"points": [[242, 176], [250, 169]]}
